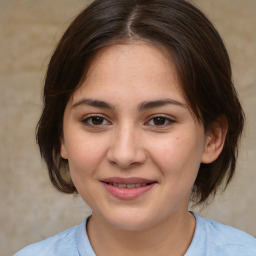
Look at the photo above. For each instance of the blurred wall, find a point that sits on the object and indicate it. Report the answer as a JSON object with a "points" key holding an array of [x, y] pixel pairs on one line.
{"points": [[30, 209]]}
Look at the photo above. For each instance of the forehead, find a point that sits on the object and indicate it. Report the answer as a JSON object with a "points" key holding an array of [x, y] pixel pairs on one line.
{"points": [[133, 55], [131, 68]]}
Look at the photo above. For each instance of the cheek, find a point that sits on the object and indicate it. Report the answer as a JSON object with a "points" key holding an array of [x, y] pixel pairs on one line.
{"points": [[84, 155], [177, 156]]}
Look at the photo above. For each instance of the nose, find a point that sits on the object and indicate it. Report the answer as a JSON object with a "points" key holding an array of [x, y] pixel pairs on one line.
{"points": [[126, 149]]}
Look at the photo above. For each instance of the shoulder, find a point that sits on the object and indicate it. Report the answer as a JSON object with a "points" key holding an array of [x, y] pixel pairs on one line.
{"points": [[226, 240], [61, 244]]}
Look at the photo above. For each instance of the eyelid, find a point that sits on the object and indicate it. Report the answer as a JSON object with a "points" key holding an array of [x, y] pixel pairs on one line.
{"points": [[168, 118], [87, 117]]}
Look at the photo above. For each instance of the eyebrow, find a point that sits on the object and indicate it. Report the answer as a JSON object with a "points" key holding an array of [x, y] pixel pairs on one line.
{"points": [[93, 103], [160, 103], [143, 106]]}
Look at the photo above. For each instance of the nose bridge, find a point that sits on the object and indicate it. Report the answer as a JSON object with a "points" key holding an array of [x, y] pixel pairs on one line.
{"points": [[126, 148]]}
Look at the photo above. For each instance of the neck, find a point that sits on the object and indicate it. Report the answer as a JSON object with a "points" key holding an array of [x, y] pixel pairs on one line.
{"points": [[171, 236]]}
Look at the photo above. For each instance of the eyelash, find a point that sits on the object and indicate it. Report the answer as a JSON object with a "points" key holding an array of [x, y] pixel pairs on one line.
{"points": [[166, 119], [88, 121], [89, 118]]}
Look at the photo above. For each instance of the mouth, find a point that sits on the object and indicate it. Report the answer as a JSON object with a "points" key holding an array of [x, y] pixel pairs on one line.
{"points": [[127, 188]]}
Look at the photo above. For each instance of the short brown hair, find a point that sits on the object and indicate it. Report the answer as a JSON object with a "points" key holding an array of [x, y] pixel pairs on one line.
{"points": [[195, 47]]}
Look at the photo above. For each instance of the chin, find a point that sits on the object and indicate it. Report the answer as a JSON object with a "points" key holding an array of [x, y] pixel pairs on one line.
{"points": [[130, 220]]}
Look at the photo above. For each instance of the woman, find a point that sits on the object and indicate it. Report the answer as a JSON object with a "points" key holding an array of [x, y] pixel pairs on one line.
{"points": [[140, 118]]}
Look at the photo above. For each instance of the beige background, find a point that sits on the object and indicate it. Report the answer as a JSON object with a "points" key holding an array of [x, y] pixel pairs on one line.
{"points": [[30, 209]]}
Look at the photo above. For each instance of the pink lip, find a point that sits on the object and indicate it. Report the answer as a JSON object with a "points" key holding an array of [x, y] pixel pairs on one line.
{"points": [[131, 180], [127, 193]]}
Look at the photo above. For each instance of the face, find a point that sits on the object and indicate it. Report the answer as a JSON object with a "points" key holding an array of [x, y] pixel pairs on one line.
{"points": [[133, 147]]}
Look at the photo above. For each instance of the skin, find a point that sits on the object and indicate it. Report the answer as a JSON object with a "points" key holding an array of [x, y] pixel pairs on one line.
{"points": [[129, 141]]}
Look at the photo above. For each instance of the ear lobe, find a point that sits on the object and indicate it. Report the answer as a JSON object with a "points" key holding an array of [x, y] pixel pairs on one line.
{"points": [[215, 140], [63, 151]]}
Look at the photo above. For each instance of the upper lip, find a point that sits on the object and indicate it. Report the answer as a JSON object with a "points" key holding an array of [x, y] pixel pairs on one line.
{"points": [[131, 180]]}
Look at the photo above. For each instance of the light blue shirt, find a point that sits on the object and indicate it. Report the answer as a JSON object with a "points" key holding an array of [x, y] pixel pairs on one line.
{"points": [[210, 239]]}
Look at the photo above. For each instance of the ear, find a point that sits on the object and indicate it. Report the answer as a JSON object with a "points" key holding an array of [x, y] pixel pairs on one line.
{"points": [[215, 139], [63, 151]]}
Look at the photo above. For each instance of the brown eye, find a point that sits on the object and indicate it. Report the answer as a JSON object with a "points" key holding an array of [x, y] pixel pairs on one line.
{"points": [[160, 121], [95, 120]]}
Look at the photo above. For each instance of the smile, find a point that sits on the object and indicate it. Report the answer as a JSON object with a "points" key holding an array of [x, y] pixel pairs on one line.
{"points": [[128, 185], [127, 188]]}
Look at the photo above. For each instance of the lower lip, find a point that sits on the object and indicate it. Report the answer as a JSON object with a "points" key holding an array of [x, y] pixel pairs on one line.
{"points": [[127, 193]]}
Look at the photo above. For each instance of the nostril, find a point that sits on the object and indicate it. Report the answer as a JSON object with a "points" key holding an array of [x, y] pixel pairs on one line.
{"points": [[126, 157]]}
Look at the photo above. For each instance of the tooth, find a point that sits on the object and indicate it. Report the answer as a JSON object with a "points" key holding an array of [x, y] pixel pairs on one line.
{"points": [[137, 185], [131, 186], [115, 184], [144, 184], [122, 185]]}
